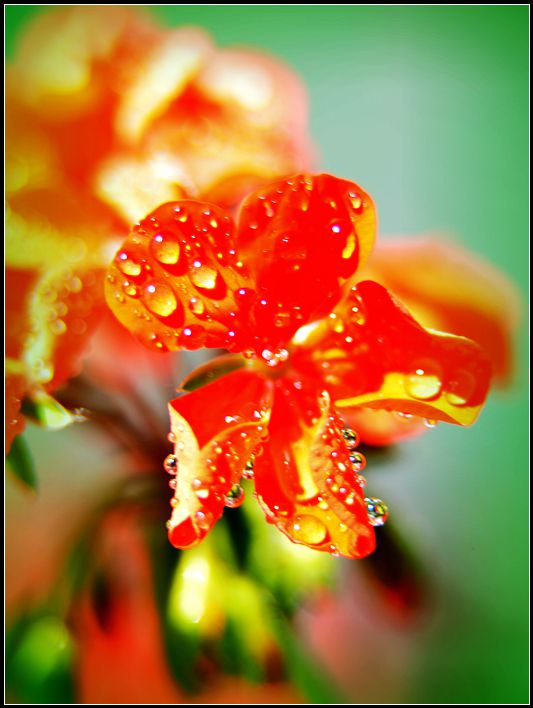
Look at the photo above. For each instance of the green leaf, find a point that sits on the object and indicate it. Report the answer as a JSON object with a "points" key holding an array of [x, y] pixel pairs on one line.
{"points": [[20, 461]]}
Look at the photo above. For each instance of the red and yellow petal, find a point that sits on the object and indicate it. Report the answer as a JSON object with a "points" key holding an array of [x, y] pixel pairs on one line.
{"points": [[177, 283], [216, 430], [370, 352], [304, 479], [452, 290]]}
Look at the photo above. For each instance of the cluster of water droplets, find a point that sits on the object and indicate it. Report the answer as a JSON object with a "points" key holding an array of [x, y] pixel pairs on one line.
{"points": [[169, 273], [376, 509]]}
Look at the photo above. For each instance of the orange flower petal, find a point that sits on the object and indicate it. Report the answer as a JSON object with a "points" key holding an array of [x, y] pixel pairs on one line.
{"points": [[304, 478], [452, 290], [185, 278], [176, 280], [370, 352], [216, 430]]}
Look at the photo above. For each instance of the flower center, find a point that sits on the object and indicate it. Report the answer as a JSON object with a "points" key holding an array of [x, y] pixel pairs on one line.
{"points": [[272, 362]]}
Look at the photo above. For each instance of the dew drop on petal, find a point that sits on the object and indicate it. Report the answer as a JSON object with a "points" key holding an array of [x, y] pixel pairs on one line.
{"points": [[58, 327], [202, 520], [235, 497], [358, 461], [351, 438], [377, 511], [130, 289], [160, 299], [171, 464], [205, 279], [128, 265], [461, 388], [248, 472], [308, 529], [165, 248], [196, 306], [424, 382]]}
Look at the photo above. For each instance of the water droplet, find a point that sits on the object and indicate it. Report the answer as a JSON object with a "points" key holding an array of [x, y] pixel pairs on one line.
{"points": [[430, 423], [128, 265], [425, 381], [196, 306], [172, 483], [206, 279], [235, 497], [274, 358], [165, 248], [248, 472], [404, 416], [308, 529], [171, 437], [202, 520], [191, 337], [351, 438], [160, 299], [358, 461], [130, 289], [377, 511], [461, 388], [171, 464], [58, 327]]}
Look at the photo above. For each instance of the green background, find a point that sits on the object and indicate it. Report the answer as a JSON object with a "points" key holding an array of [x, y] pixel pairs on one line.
{"points": [[427, 108]]}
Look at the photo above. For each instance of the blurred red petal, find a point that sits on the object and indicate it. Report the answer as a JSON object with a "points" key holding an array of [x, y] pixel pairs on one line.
{"points": [[452, 290], [121, 631], [216, 430], [379, 427], [371, 353], [304, 477]]}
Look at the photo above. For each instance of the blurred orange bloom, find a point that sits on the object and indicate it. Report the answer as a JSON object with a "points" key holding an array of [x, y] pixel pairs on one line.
{"points": [[107, 116]]}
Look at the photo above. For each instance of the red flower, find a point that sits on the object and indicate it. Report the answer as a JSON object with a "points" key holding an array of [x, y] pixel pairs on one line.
{"points": [[277, 287]]}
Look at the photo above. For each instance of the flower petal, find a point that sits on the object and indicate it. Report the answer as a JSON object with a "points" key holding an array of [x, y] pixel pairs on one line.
{"points": [[216, 430], [302, 238], [452, 290], [176, 281], [370, 352], [304, 478]]}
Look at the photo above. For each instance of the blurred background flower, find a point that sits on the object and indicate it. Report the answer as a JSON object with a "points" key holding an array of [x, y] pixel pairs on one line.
{"points": [[427, 108]]}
